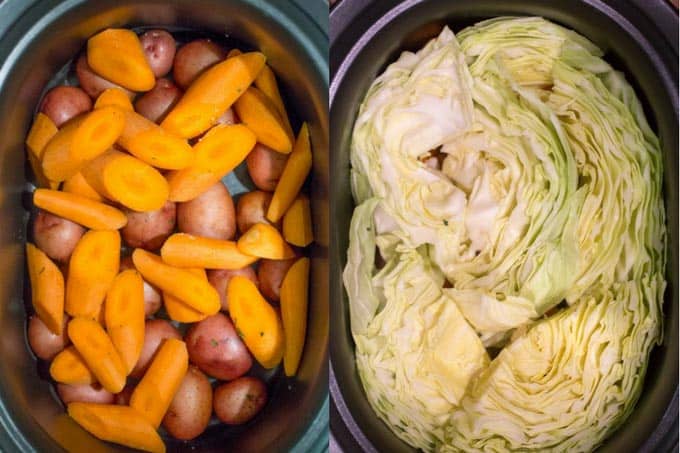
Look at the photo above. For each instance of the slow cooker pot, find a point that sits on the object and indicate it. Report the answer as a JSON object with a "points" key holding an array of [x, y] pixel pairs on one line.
{"points": [[37, 39], [640, 37]]}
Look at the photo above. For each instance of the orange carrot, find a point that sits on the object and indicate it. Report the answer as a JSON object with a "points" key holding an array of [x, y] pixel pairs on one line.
{"points": [[77, 184], [69, 367], [127, 180], [42, 131], [116, 54], [295, 172], [178, 310], [294, 302], [297, 223], [124, 310], [212, 93], [261, 116], [259, 325], [114, 97], [155, 391], [266, 82], [93, 266], [216, 154], [264, 241], [186, 250], [47, 288], [79, 209]]}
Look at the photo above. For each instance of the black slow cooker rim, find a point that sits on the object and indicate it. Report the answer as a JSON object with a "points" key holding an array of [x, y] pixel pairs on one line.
{"points": [[346, 433]]}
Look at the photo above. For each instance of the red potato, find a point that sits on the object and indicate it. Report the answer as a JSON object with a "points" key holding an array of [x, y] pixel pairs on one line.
{"points": [[84, 393], [155, 104], [191, 408], [159, 47], [155, 331], [219, 279], [215, 347], [252, 208], [56, 236], [148, 230], [265, 167], [44, 343], [193, 58], [270, 273], [238, 401], [123, 397], [152, 297], [228, 117], [92, 83], [210, 215], [62, 103]]}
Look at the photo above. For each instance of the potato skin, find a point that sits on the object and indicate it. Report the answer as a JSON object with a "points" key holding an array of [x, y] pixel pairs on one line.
{"points": [[238, 401], [210, 215], [86, 393], [155, 104], [92, 83], [159, 47], [148, 230], [191, 408], [215, 347], [265, 167], [228, 117], [252, 208], [42, 341], [56, 236], [193, 58], [155, 331], [270, 273], [219, 279], [62, 103], [152, 297], [122, 398]]}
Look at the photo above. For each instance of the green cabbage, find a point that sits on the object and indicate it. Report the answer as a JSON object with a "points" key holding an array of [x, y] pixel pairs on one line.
{"points": [[545, 220]]}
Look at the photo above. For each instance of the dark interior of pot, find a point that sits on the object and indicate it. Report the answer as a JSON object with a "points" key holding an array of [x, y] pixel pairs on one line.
{"points": [[40, 42], [362, 50]]}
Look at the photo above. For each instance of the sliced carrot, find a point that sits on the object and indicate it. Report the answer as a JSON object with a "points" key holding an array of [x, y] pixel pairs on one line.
{"points": [[98, 352], [256, 321], [118, 424], [152, 144], [77, 184], [80, 140], [42, 131], [297, 222], [212, 93], [295, 172], [266, 82], [79, 209], [117, 55], [221, 150], [127, 180], [294, 302], [264, 241], [154, 393], [234, 53], [69, 367], [261, 116], [186, 250], [124, 314], [47, 288], [180, 283], [178, 310], [114, 97], [92, 267]]}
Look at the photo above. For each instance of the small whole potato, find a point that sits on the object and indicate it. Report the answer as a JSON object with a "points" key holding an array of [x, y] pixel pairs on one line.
{"points": [[265, 167], [148, 230], [92, 83], [62, 103], [56, 236], [155, 331], [44, 343], [219, 279], [84, 393], [238, 401], [209, 215], [215, 347], [228, 117], [155, 104], [191, 408], [193, 58], [159, 47], [270, 273], [152, 297], [122, 398], [252, 208]]}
